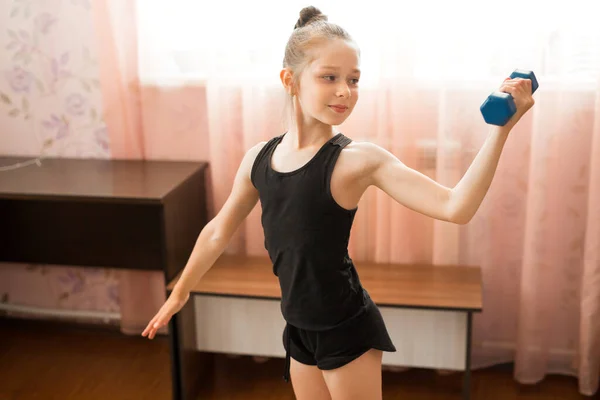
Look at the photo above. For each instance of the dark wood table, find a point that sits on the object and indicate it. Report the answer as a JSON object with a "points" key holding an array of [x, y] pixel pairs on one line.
{"points": [[131, 214]]}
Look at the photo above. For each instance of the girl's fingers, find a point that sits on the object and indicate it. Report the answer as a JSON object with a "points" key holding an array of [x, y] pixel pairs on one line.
{"points": [[514, 84], [157, 325], [151, 325], [153, 331], [508, 89], [518, 83], [147, 330], [160, 319], [157, 322]]}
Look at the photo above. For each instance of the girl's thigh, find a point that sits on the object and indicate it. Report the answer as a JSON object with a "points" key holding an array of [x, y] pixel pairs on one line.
{"points": [[308, 382], [360, 379]]}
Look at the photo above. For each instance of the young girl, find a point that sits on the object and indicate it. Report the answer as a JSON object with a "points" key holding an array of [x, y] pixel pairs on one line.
{"points": [[309, 181]]}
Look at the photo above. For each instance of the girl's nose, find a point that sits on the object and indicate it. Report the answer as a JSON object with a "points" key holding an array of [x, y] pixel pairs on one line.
{"points": [[344, 90]]}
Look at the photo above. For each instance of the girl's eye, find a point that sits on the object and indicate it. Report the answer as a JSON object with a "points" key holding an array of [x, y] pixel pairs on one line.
{"points": [[354, 81]]}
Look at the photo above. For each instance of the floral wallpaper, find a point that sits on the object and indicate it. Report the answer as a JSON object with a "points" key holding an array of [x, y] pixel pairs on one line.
{"points": [[50, 104]]}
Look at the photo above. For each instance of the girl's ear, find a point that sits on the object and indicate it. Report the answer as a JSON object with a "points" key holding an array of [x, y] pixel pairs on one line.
{"points": [[286, 77]]}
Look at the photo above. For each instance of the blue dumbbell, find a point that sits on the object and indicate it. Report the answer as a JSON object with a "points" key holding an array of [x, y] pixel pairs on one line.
{"points": [[499, 107]]}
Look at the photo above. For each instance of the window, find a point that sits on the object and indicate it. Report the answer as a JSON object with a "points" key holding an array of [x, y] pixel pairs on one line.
{"points": [[459, 41]]}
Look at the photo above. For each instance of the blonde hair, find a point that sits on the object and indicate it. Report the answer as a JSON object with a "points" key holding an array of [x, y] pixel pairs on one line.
{"points": [[311, 30]]}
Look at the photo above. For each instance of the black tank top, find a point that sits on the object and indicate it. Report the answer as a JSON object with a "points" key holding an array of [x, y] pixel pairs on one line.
{"points": [[306, 236]]}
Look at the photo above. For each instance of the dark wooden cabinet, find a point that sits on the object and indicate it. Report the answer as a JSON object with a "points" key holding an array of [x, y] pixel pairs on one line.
{"points": [[132, 214]]}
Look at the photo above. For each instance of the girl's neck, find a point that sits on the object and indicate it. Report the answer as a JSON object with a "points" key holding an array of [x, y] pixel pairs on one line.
{"points": [[303, 138]]}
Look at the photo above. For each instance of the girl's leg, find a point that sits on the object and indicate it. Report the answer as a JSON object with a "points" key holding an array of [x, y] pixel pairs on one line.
{"points": [[357, 380], [307, 381]]}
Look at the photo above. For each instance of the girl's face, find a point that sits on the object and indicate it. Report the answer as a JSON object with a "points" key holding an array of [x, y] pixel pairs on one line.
{"points": [[330, 80]]}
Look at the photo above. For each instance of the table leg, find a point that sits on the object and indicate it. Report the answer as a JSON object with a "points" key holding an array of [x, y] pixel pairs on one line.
{"points": [[467, 375], [175, 363], [190, 368]]}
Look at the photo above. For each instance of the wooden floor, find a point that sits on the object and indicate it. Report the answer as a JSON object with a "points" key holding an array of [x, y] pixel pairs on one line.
{"points": [[46, 360]]}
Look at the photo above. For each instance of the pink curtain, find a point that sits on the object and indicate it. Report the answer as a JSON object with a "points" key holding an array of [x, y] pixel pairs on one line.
{"points": [[141, 293], [588, 363], [536, 236]]}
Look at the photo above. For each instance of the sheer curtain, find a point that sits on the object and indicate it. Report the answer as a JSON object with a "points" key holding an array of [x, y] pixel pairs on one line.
{"points": [[206, 86]]}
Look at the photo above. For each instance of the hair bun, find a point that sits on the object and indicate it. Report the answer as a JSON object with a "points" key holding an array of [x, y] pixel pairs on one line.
{"points": [[309, 15]]}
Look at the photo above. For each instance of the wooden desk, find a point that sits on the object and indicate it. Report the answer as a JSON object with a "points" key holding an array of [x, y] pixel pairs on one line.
{"points": [[104, 213], [236, 309]]}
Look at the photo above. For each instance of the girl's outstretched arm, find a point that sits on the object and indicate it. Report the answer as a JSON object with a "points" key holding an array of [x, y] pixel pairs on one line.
{"points": [[211, 242], [460, 203]]}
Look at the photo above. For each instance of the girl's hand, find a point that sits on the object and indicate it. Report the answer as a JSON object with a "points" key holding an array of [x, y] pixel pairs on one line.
{"points": [[520, 90], [173, 304]]}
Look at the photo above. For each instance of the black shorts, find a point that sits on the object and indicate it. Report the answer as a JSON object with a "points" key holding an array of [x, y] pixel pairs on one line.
{"points": [[337, 347]]}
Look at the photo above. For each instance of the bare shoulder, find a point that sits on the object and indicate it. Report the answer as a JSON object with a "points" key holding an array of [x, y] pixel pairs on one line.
{"points": [[362, 158], [250, 158], [254, 150], [368, 152]]}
